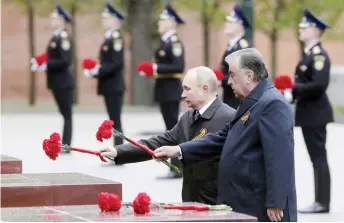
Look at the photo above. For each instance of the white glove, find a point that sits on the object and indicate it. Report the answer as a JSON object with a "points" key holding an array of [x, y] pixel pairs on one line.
{"points": [[42, 68], [288, 95], [88, 73], [143, 74], [34, 65]]}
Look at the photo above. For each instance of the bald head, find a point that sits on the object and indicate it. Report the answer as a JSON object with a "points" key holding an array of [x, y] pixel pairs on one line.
{"points": [[199, 86], [204, 76]]}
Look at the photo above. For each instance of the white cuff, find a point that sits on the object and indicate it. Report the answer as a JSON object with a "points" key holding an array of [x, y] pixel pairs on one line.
{"points": [[95, 70], [155, 66], [180, 157], [288, 95]]}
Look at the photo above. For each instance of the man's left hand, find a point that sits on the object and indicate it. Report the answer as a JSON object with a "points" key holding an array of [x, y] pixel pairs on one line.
{"points": [[167, 152], [275, 214]]}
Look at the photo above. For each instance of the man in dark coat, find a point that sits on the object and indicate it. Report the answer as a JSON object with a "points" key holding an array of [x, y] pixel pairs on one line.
{"points": [[167, 69], [235, 26], [58, 66], [256, 169], [109, 72], [209, 114], [313, 109]]}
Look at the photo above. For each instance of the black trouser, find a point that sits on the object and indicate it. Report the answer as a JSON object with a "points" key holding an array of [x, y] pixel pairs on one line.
{"points": [[170, 114], [315, 139], [64, 100], [114, 103]]}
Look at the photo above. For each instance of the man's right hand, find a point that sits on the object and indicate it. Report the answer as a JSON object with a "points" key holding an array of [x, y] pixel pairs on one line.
{"points": [[108, 152]]}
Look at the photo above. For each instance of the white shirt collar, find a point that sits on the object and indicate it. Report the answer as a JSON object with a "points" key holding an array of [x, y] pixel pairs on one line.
{"points": [[57, 32], [108, 33], [233, 41], [206, 106], [168, 35], [309, 47]]}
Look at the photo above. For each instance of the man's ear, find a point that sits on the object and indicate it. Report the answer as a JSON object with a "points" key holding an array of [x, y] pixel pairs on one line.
{"points": [[205, 88], [250, 76]]}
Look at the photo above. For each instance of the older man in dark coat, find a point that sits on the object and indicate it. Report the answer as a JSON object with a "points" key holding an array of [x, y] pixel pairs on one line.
{"points": [[209, 114], [256, 169]]}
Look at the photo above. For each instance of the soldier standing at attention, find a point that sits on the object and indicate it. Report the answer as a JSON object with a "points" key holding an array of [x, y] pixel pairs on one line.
{"points": [[167, 69], [110, 70], [313, 109], [57, 62], [235, 26]]}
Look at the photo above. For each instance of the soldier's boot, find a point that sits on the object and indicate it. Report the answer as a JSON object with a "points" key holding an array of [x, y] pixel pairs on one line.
{"points": [[67, 134], [322, 183]]}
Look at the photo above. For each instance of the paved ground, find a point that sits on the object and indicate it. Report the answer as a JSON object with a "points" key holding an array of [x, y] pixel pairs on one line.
{"points": [[22, 136]]}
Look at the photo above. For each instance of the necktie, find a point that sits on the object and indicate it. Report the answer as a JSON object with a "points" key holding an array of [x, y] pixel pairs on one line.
{"points": [[197, 115]]}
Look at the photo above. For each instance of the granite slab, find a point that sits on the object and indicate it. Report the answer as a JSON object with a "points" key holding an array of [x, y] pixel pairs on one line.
{"points": [[53, 189], [10, 165], [93, 213]]}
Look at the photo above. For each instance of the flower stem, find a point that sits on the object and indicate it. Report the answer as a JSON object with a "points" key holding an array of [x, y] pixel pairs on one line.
{"points": [[173, 167]]}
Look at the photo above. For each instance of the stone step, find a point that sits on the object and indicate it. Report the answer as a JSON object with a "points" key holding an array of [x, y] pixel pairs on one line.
{"points": [[54, 189], [10, 165], [126, 214]]}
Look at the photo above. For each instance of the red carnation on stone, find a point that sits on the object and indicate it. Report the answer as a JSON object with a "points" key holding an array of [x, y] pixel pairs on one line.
{"points": [[105, 130], [141, 204], [109, 202]]}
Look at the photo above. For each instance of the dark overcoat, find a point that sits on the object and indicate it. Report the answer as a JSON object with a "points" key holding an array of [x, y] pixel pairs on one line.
{"points": [[256, 169]]}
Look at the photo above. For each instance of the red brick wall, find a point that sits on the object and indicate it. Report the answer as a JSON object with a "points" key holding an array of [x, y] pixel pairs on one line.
{"points": [[15, 51]]}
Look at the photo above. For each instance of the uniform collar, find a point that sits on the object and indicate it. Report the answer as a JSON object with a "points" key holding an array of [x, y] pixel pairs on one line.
{"points": [[310, 47], [234, 41], [57, 32], [109, 33], [168, 35]]}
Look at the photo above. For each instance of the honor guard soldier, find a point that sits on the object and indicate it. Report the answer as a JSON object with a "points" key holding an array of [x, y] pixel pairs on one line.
{"points": [[109, 70], [57, 62], [167, 69], [235, 26], [313, 109]]}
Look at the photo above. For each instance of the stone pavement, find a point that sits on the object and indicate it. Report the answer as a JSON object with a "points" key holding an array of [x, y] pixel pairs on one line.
{"points": [[22, 136]]}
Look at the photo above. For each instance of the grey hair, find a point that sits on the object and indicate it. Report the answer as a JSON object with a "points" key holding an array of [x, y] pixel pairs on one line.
{"points": [[249, 59], [206, 76]]}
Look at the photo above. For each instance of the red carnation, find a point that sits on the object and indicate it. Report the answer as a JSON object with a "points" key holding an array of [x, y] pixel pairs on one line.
{"points": [[105, 130], [219, 74], [89, 63], [141, 203], [109, 202], [41, 59], [283, 82], [52, 146], [145, 67]]}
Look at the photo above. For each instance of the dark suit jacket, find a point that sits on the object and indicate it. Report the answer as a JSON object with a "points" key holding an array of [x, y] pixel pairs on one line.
{"points": [[256, 169], [59, 64], [111, 56], [170, 60], [312, 77], [199, 180]]}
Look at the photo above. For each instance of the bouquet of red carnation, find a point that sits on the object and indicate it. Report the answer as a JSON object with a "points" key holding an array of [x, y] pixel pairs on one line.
{"points": [[141, 204], [109, 202], [52, 147], [106, 130]]}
